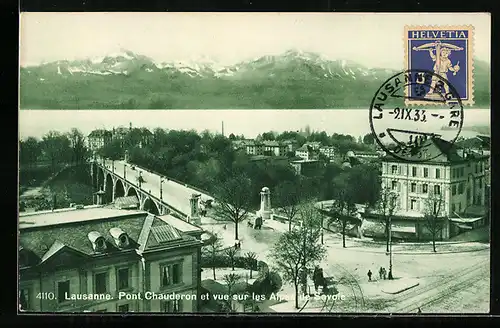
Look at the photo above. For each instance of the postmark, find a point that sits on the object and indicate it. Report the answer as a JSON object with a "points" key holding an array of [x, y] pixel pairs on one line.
{"points": [[408, 133], [447, 51]]}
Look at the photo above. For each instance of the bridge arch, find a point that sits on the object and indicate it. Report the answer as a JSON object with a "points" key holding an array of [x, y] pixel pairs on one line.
{"points": [[150, 206], [100, 178], [119, 188], [132, 192], [109, 189]]}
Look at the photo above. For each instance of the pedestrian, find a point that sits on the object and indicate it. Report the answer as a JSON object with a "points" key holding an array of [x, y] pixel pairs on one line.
{"points": [[384, 273], [419, 311], [369, 275], [381, 272], [239, 244], [225, 227]]}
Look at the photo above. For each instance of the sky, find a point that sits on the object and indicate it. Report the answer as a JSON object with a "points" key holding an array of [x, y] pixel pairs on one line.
{"points": [[250, 123], [374, 39]]}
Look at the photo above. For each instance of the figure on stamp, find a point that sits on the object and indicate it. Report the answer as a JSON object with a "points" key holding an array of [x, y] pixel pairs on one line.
{"points": [[440, 53]]}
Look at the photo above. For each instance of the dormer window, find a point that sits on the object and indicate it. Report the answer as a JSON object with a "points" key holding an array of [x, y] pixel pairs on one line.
{"points": [[119, 236], [98, 241]]}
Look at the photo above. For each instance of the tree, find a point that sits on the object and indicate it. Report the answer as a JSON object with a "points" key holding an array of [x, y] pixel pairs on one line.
{"points": [[56, 147], [433, 215], [369, 139], [232, 136], [386, 207], [343, 209], [288, 196], [364, 180], [251, 260], [212, 250], [231, 280], [29, 151], [268, 136], [77, 142], [289, 255], [233, 201], [231, 253]]}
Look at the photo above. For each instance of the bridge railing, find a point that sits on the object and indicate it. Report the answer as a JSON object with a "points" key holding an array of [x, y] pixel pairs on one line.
{"points": [[172, 179], [170, 207]]}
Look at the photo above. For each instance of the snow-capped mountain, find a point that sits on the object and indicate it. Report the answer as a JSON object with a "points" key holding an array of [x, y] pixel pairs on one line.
{"points": [[294, 79]]}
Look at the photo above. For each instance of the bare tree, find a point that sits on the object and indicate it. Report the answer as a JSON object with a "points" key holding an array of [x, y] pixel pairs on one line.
{"points": [[231, 280], [233, 201], [290, 253], [343, 210], [212, 250], [288, 197], [77, 143], [386, 206], [231, 253], [433, 215], [251, 259]]}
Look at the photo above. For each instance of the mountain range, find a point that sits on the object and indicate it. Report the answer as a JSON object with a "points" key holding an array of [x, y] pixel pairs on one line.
{"points": [[292, 80]]}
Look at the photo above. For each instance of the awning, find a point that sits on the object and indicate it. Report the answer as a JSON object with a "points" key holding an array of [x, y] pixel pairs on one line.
{"points": [[465, 220]]}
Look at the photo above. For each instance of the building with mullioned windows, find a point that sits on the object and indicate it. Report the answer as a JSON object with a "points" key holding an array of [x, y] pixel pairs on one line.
{"points": [[457, 175], [97, 259]]}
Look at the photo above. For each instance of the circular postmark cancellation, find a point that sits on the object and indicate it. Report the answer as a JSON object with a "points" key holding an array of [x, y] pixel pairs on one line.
{"points": [[407, 133]]}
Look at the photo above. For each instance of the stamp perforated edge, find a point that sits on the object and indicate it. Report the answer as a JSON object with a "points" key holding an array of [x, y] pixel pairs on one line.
{"points": [[470, 60]]}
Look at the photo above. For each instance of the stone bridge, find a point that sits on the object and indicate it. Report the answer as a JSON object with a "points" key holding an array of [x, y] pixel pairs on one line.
{"points": [[155, 193]]}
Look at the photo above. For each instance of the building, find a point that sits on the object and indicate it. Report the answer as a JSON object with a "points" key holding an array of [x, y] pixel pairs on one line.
{"points": [[255, 148], [274, 148], [307, 153], [363, 154], [98, 259], [306, 167], [329, 152], [456, 175], [98, 139], [292, 145]]}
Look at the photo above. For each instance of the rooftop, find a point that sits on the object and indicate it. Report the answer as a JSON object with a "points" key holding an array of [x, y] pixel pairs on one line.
{"points": [[49, 236], [70, 215], [179, 224], [301, 161]]}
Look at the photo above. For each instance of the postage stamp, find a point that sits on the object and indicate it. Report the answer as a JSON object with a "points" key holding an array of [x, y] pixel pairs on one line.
{"points": [[448, 52], [408, 133]]}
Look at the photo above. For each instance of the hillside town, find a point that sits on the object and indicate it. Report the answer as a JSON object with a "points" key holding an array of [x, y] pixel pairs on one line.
{"points": [[177, 215]]}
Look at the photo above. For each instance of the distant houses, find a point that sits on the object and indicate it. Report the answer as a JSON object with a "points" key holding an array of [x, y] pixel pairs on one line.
{"points": [[100, 138]]}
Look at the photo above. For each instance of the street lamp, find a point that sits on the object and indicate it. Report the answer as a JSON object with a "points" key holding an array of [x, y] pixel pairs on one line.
{"points": [[161, 189], [390, 249]]}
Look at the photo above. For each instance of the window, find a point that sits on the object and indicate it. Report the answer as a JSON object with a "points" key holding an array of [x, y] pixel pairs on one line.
{"points": [[24, 299], [413, 187], [426, 172], [425, 188], [394, 185], [454, 190], [437, 189], [62, 290], [171, 306], [171, 274], [438, 173], [462, 171], [413, 204], [100, 280], [394, 169], [414, 171], [123, 278], [460, 188], [123, 308]]}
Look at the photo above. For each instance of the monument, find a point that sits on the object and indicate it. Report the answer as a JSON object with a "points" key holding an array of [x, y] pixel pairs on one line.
{"points": [[265, 204]]}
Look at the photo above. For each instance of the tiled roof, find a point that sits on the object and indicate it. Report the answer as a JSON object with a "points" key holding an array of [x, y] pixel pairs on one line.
{"points": [[272, 143], [179, 224], [43, 242]]}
